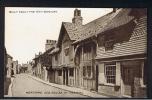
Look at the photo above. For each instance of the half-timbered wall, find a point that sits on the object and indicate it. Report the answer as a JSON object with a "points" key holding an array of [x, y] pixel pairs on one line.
{"points": [[85, 56], [67, 50]]}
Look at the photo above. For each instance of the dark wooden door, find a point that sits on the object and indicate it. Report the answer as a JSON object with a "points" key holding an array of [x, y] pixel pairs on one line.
{"points": [[128, 79]]}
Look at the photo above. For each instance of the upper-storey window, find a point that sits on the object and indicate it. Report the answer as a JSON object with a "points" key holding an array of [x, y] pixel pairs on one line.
{"points": [[66, 51], [109, 41], [87, 71], [87, 52]]}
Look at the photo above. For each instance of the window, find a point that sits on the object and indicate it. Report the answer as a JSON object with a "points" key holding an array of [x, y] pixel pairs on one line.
{"points": [[89, 71], [109, 45], [84, 71], [66, 51], [110, 73], [100, 40], [71, 72], [87, 52], [109, 42], [59, 72]]}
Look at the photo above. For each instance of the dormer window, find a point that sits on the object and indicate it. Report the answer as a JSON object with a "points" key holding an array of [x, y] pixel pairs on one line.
{"points": [[109, 42]]}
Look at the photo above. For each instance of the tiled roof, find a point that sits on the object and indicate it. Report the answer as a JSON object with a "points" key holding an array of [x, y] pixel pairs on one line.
{"points": [[54, 50], [104, 23], [87, 30], [121, 18], [49, 51], [72, 30], [94, 27], [137, 43]]}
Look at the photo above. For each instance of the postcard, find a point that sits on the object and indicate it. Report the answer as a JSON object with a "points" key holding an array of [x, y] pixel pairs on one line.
{"points": [[75, 52]]}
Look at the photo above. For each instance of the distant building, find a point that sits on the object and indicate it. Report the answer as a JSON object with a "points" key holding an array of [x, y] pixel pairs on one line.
{"points": [[9, 65], [18, 68], [15, 67]]}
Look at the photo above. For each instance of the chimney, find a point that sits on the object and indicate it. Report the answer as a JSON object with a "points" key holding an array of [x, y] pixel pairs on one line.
{"points": [[114, 9], [49, 44], [77, 19]]}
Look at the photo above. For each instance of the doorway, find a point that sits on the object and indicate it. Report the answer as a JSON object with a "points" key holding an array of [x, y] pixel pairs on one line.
{"points": [[128, 80], [65, 76]]}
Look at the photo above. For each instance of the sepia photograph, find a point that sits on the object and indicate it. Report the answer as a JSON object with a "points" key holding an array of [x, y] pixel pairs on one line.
{"points": [[75, 52]]}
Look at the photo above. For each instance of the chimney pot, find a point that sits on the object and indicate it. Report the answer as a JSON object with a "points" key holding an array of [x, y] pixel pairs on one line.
{"points": [[114, 9]]}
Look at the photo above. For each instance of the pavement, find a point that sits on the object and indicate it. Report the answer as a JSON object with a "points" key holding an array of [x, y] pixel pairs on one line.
{"points": [[72, 89]]}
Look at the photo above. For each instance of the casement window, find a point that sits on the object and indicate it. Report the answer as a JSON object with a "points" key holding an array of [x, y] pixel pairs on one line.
{"points": [[84, 71], [87, 52], [87, 71], [109, 45], [71, 72], [59, 72], [110, 73], [100, 40], [66, 51], [109, 42]]}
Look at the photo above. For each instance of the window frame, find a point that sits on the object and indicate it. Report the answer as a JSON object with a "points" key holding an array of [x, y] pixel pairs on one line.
{"points": [[112, 73], [71, 72], [87, 75], [59, 72], [66, 51], [109, 42]]}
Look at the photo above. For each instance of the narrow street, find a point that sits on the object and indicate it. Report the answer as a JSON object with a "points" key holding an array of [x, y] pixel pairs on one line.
{"points": [[24, 86]]}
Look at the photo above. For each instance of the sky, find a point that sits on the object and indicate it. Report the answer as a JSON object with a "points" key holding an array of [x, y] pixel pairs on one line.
{"points": [[27, 29]]}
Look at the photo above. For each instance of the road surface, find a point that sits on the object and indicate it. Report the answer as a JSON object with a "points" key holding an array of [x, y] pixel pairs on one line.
{"points": [[25, 86]]}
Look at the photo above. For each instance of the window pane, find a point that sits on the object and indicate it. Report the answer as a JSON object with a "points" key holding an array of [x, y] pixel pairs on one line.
{"points": [[110, 72], [84, 71], [71, 72], [89, 70]]}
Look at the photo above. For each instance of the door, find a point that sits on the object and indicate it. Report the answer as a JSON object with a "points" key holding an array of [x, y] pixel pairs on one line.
{"points": [[65, 76], [128, 80]]}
